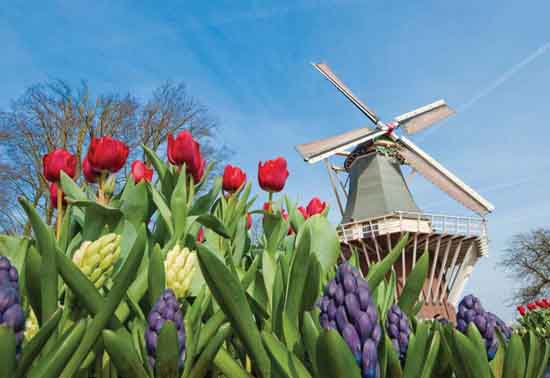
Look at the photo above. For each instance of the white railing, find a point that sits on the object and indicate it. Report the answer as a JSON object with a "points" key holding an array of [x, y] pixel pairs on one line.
{"points": [[413, 221]]}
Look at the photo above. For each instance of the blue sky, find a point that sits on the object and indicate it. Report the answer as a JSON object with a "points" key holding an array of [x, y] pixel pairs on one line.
{"points": [[248, 61]]}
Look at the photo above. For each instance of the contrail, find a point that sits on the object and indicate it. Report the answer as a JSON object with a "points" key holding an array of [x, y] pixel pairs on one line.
{"points": [[504, 77], [495, 84]]}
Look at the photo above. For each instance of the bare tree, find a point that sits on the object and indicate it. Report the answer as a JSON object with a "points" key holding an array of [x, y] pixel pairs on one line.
{"points": [[55, 115], [528, 260]]}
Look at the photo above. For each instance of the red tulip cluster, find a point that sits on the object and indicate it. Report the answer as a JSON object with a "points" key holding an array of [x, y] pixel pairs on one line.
{"points": [[541, 304], [141, 172], [55, 162], [233, 178]]}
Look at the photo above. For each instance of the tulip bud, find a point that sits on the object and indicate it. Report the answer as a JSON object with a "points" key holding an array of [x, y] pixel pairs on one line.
{"points": [[315, 206], [141, 172], [97, 259], [167, 308], [200, 235], [248, 221], [233, 178], [303, 211], [272, 174], [532, 306], [107, 154], [31, 326], [90, 174], [185, 150], [522, 311], [540, 303], [180, 267], [53, 196], [57, 161]]}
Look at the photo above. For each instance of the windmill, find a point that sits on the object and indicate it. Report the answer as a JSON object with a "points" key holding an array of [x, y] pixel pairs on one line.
{"points": [[380, 208]]}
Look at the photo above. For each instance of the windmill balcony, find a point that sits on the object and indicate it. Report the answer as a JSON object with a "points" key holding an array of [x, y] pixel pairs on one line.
{"points": [[454, 244]]}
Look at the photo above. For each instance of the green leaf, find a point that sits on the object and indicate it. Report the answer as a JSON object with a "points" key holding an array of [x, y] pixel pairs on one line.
{"points": [[393, 367], [474, 363], [178, 204], [514, 362], [120, 350], [97, 217], [231, 298], [166, 364], [204, 361], [545, 356], [431, 357], [160, 166], [136, 203], [311, 334], [7, 351], [312, 287], [48, 271], [284, 359], [324, 241], [497, 364], [54, 364], [33, 264], [473, 334], [203, 204], [227, 365], [115, 295], [156, 275], [163, 209], [378, 272], [72, 191], [413, 287], [417, 351], [297, 279], [334, 358], [214, 224], [34, 347], [532, 355]]}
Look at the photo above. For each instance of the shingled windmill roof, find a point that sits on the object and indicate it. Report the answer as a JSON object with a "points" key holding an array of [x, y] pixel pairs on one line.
{"points": [[376, 188]]}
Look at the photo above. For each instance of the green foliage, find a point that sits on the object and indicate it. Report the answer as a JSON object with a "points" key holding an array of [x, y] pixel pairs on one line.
{"points": [[251, 312]]}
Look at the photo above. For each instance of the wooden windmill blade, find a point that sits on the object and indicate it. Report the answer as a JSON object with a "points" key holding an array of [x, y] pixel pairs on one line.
{"points": [[442, 178], [327, 72], [423, 117], [321, 149]]}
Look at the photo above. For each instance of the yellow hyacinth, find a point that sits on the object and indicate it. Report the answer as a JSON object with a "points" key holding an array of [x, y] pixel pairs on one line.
{"points": [[96, 259], [31, 326], [180, 266]]}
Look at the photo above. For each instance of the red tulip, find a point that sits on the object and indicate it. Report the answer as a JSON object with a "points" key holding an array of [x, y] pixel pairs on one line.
{"points": [[284, 214], [107, 154], [521, 310], [303, 210], [272, 174], [315, 206], [56, 161], [540, 303], [90, 174], [200, 235], [248, 221], [233, 178], [53, 195], [547, 301], [267, 207], [185, 149], [532, 306], [141, 172]]}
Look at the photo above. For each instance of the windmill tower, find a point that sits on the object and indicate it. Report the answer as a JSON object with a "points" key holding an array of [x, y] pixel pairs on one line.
{"points": [[379, 207]]}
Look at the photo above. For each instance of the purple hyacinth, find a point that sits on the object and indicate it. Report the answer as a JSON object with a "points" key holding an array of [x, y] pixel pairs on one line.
{"points": [[166, 308], [470, 310], [11, 312], [347, 307], [8, 273], [397, 326], [504, 329]]}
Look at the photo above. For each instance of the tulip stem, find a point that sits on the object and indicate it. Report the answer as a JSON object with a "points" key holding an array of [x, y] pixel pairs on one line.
{"points": [[59, 212], [270, 201]]}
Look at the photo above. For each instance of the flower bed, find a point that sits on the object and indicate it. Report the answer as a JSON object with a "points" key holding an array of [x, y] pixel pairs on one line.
{"points": [[162, 279]]}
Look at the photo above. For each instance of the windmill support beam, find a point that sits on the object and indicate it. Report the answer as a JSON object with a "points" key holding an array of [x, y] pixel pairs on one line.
{"points": [[334, 188], [463, 275]]}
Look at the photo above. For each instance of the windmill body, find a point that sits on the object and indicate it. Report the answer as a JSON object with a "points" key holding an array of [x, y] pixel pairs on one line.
{"points": [[378, 208]]}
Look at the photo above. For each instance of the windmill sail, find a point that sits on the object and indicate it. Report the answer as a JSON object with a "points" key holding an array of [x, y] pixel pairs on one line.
{"points": [[316, 151], [327, 72], [442, 178], [424, 117]]}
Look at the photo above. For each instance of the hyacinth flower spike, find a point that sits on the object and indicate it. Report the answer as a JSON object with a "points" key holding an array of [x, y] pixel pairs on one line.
{"points": [[471, 311], [165, 309], [180, 266], [347, 307], [97, 259], [11, 312], [397, 327]]}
